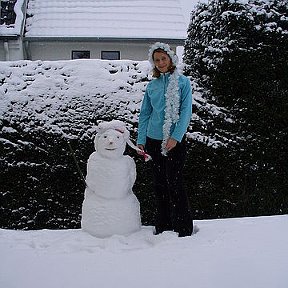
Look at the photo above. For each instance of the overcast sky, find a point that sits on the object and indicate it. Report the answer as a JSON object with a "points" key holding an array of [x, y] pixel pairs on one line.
{"points": [[187, 6]]}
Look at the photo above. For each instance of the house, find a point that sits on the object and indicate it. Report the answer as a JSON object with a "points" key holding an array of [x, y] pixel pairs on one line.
{"points": [[99, 29]]}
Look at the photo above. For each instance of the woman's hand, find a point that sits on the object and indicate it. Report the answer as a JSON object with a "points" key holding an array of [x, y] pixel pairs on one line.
{"points": [[141, 147], [171, 143]]}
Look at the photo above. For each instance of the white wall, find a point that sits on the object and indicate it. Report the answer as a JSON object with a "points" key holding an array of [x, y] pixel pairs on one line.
{"points": [[63, 50], [2, 53], [13, 50]]}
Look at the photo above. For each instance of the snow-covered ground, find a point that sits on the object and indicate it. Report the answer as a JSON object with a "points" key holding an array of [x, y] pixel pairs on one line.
{"points": [[224, 253]]}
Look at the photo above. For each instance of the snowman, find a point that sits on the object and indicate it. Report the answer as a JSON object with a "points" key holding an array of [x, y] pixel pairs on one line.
{"points": [[109, 206]]}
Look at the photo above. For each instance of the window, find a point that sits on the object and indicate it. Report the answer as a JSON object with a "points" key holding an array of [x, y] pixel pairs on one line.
{"points": [[7, 13], [110, 55], [80, 54]]}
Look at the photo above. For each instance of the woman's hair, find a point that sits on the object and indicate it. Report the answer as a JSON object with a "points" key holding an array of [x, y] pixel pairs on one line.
{"points": [[156, 72]]}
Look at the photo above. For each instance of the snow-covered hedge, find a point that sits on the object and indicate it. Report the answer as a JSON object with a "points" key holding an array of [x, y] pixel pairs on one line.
{"points": [[45, 105], [69, 97], [64, 96]]}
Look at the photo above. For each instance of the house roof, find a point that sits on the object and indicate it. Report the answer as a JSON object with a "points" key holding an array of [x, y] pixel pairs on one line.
{"points": [[137, 19]]}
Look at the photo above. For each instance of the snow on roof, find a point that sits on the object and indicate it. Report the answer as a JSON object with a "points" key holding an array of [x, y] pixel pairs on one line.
{"points": [[14, 29], [140, 19]]}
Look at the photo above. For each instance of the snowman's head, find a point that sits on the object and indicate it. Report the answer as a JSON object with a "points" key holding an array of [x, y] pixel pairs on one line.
{"points": [[110, 141]]}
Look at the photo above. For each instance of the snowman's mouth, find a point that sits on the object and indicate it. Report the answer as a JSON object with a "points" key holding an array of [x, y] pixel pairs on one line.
{"points": [[110, 149]]}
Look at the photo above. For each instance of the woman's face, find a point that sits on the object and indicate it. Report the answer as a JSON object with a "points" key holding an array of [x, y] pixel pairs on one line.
{"points": [[162, 61]]}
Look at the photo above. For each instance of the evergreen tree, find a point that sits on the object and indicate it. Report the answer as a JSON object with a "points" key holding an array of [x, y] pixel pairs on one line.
{"points": [[237, 52]]}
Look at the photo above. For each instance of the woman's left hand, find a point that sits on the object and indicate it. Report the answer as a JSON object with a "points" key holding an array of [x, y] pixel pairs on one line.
{"points": [[171, 143]]}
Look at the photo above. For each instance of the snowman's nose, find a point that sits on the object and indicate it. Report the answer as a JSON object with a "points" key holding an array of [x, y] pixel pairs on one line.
{"points": [[110, 141]]}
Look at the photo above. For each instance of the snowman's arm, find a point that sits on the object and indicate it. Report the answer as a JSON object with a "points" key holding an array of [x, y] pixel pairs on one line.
{"points": [[132, 171], [90, 171]]}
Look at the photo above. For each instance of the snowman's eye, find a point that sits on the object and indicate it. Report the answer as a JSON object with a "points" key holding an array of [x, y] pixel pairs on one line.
{"points": [[118, 137], [105, 136]]}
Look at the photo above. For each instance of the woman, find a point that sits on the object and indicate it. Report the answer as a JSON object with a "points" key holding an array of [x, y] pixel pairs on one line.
{"points": [[164, 117]]}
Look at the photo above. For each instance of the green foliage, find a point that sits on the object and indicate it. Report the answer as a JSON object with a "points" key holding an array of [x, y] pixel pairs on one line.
{"points": [[40, 187], [221, 26], [238, 54]]}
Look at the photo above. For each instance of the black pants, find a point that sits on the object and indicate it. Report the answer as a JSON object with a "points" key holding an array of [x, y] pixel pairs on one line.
{"points": [[173, 209]]}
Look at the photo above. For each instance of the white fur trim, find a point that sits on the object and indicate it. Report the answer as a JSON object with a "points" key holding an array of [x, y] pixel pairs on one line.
{"points": [[172, 107], [166, 48]]}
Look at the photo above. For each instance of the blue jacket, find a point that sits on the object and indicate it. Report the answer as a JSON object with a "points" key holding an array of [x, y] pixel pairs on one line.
{"points": [[151, 117]]}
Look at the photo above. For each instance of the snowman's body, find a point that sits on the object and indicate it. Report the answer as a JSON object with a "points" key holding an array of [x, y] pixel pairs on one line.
{"points": [[110, 207]]}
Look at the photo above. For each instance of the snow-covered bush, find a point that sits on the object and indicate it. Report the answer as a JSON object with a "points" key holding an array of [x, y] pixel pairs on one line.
{"points": [[219, 27], [237, 54], [63, 96]]}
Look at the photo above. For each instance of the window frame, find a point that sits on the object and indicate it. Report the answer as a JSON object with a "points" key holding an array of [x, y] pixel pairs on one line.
{"points": [[116, 52], [80, 51]]}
